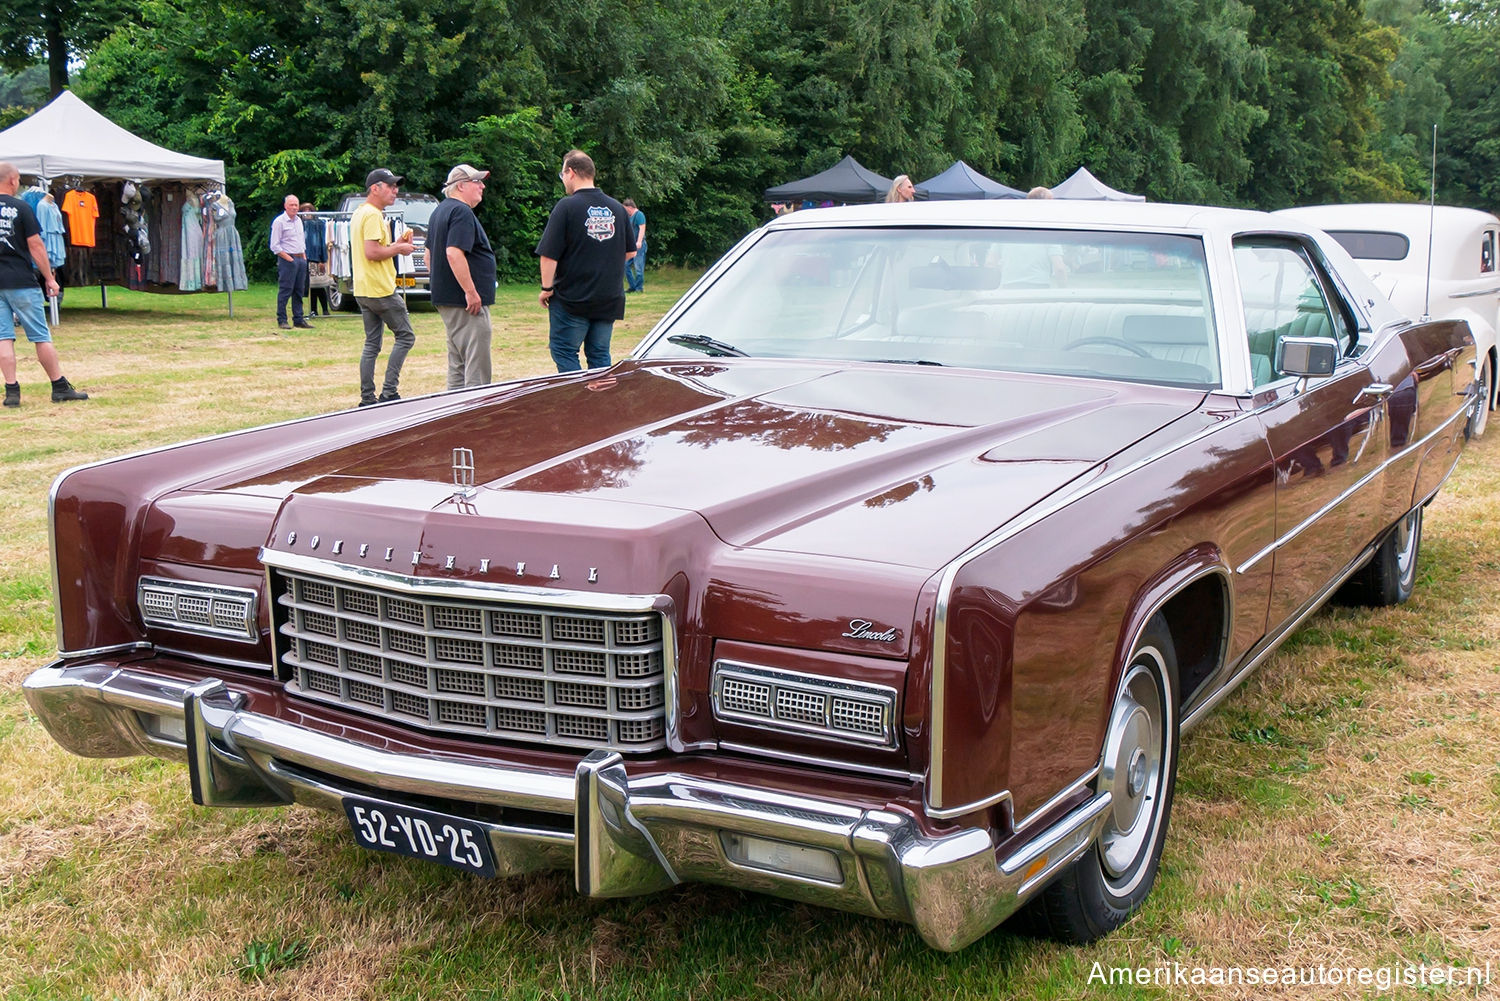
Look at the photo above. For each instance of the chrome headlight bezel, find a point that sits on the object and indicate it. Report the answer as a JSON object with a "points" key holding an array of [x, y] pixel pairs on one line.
{"points": [[231, 612], [805, 704]]}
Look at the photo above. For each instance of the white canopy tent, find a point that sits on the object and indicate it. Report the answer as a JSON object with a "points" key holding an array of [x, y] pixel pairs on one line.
{"points": [[67, 138], [1084, 185]]}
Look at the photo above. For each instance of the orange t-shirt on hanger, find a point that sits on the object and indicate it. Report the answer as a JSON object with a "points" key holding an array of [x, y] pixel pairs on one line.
{"points": [[82, 210]]}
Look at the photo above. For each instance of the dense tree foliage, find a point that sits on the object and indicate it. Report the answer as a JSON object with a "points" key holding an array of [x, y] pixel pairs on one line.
{"points": [[693, 107]]}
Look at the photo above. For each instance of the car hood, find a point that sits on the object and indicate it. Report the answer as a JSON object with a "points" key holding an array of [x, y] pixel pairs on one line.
{"points": [[881, 463]]}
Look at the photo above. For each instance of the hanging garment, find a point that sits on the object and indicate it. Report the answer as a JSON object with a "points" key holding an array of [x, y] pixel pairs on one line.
{"points": [[229, 256], [210, 271], [168, 243], [33, 197], [51, 220], [317, 244], [192, 244], [82, 210]]}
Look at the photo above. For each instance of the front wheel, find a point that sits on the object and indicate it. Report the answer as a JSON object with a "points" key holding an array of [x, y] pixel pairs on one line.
{"points": [[1111, 880]]}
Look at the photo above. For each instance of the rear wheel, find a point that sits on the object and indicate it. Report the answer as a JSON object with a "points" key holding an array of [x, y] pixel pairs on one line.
{"points": [[1097, 893], [1480, 419], [1391, 574]]}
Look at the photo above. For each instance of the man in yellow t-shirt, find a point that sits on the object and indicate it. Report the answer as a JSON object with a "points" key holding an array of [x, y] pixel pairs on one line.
{"points": [[375, 286]]}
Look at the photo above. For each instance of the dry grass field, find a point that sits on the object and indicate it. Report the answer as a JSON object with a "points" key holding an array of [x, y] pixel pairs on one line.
{"points": [[1341, 811]]}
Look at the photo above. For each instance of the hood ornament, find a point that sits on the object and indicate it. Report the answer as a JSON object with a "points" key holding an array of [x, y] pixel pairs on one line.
{"points": [[463, 473]]}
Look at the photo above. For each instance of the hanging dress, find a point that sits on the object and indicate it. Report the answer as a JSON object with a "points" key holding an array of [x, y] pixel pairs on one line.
{"points": [[229, 255], [192, 243]]}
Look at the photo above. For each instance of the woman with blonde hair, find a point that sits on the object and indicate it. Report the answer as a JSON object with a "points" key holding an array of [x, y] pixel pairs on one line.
{"points": [[902, 190]]}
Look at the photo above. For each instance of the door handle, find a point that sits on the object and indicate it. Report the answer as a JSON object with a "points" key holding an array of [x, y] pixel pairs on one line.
{"points": [[1375, 390]]}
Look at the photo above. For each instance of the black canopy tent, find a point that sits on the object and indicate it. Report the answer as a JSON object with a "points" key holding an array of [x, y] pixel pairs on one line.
{"points": [[963, 181], [846, 181]]}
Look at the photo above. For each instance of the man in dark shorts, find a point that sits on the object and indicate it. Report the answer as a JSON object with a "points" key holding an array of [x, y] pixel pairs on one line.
{"points": [[20, 298], [583, 251]]}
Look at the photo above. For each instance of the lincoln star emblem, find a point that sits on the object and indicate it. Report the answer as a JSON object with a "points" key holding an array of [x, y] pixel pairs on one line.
{"points": [[463, 472]]}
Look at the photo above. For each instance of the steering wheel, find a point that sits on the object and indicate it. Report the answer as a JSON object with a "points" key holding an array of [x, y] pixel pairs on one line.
{"points": [[1117, 342]]}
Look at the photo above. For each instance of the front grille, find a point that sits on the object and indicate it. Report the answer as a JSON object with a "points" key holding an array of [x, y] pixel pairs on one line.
{"points": [[474, 665]]}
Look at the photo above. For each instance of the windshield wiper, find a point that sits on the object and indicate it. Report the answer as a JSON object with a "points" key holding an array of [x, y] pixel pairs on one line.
{"points": [[906, 361], [706, 344]]}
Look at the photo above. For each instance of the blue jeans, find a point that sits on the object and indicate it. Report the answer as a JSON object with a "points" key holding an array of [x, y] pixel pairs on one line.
{"points": [[568, 332], [635, 270], [26, 305]]}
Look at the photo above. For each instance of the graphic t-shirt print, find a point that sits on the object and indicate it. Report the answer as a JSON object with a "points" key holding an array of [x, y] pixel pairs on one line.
{"points": [[600, 224]]}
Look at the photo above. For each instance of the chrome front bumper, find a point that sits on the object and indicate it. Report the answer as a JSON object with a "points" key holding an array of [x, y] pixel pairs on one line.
{"points": [[628, 835]]}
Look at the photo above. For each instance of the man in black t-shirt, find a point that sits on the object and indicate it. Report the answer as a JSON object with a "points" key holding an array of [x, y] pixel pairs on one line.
{"points": [[583, 251], [463, 276], [20, 298]]}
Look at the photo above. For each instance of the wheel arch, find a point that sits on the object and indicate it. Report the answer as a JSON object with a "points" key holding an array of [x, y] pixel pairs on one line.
{"points": [[1194, 598]]}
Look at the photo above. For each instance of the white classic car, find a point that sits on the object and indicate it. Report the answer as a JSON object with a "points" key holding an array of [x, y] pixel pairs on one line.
{"points": [[1390, 241]]}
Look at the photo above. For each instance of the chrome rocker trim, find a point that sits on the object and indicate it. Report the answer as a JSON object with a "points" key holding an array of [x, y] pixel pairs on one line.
{"points": [[622, 835]]}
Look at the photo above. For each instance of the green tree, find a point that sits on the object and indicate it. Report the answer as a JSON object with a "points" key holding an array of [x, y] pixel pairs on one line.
{"points": [[1327, 64], [1168, 98], [56, 32]]}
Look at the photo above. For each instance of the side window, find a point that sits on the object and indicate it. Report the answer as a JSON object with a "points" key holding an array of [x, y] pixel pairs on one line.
{"points": [[1282, 298], [1487, 253]]}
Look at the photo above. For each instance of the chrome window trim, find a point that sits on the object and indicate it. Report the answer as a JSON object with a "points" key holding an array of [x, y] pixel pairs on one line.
{"points": [[949, 573], [251, 598], [1348, 492], [885, 695]]}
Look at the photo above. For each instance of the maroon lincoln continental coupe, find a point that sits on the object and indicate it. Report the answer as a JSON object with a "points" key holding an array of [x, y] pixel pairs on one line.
{"points": [[885, 575]]}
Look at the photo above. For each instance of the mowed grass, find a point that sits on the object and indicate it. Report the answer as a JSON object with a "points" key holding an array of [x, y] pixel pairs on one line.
{"points": [[1340, 810]]}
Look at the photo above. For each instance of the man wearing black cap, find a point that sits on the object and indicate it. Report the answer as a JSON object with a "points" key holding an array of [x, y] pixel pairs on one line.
{"points": [[463, 276], [372, 262]]}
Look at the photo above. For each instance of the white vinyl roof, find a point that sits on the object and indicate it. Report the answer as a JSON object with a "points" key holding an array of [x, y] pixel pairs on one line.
{"points": [[68, 138]]}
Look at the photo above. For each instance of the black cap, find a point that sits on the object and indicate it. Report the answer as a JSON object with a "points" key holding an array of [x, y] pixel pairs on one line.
{"points": [[381, 176]]}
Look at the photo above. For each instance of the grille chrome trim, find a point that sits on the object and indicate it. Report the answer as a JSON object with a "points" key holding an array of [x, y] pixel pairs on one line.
{"points": [[559, 668], [833, 708], [192, 607]]}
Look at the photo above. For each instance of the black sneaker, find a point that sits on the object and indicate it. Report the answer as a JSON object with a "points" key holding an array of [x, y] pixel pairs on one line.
{"points": [[388, 398], [368, 403], [63, 391], [12, 394]]}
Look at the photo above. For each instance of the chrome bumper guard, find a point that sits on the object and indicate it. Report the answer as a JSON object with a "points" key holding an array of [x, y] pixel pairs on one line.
{"points": [[629, 835]]}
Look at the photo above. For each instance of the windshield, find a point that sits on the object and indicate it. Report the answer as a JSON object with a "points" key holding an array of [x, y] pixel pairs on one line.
{"points": [[415, 212], [1106, 305]]}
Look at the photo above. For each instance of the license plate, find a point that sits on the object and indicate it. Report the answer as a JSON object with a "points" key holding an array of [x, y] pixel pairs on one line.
{"points": [[434, 837]]}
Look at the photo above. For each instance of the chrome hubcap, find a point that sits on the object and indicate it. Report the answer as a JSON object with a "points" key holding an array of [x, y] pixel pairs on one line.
{"points": [[1133, 773]]}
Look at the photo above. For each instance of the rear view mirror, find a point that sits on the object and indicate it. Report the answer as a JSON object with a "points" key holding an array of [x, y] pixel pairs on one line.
{"points": [[1306, 356]]}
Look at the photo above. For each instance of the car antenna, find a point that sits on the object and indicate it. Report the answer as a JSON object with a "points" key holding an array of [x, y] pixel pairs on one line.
{"points": [[1431, 224]]}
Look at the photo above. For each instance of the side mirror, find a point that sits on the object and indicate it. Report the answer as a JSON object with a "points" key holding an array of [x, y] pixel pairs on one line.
{"points": [[1306, 356]]}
